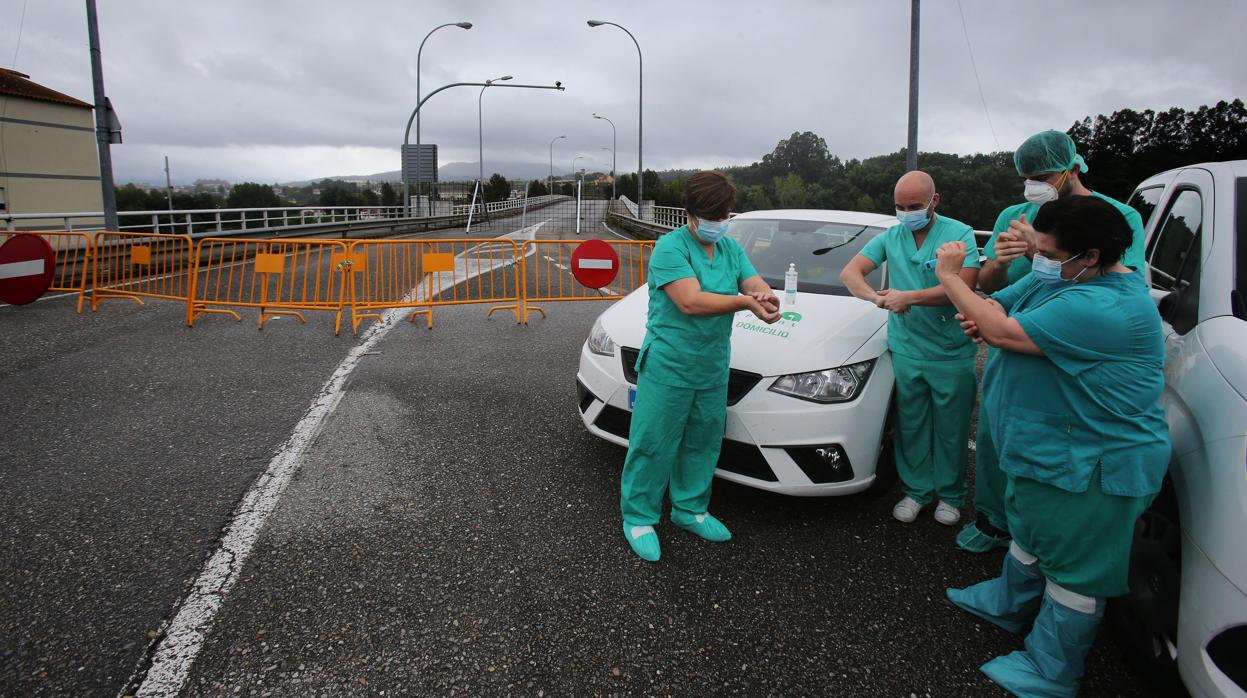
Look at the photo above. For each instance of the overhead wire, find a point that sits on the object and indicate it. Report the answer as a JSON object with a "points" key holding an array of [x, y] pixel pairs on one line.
{"points": [[977, 81]]}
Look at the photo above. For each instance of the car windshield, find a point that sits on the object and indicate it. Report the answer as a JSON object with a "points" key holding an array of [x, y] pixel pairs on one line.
{"points": [[818, 248]]}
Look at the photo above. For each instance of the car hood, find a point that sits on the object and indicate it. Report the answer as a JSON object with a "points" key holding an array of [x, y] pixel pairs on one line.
{"points": [[820, 332]]}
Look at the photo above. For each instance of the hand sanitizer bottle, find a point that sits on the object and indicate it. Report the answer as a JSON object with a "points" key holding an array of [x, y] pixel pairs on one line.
{"points": [[790, 285]]}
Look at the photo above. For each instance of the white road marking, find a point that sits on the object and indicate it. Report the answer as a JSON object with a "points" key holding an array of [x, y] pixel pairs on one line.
{"points": [[13, 270], [612, 232], [183, 637]]}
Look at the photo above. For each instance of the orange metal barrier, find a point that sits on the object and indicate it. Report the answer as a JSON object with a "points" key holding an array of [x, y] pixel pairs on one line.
{"points": [[73, 260], [547, 273], [422, 274], [280, 277], [140, 265]]}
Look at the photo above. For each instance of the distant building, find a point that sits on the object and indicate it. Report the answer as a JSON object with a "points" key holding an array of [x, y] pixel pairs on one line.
{"points": [[48, 157]]}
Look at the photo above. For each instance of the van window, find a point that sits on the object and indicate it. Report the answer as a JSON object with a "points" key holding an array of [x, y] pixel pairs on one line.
{"points": [[1144, 201], [1175, 261]]}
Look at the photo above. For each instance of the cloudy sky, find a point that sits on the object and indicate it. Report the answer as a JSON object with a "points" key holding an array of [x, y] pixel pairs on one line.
{"points": [[284, 90]]}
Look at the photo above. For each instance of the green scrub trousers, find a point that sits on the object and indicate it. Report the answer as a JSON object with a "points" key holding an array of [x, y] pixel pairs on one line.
{"points": [[934, 400], [989, 479], [673, 444], [1082, 539]]}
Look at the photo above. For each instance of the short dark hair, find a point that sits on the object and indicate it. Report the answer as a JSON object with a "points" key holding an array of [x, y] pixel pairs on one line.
{"points": [[1081, 223], [709, 194]]}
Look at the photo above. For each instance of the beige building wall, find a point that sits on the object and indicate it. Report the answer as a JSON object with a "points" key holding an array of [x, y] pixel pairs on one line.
{"points": [[48, 162]]}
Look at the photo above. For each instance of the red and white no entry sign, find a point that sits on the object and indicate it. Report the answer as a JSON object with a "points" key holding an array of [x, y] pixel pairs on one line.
{"points": [[595, 263], [27, 264]]}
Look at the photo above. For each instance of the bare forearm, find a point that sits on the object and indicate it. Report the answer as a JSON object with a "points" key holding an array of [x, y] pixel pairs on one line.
{"points": [[706, 303], [858, 286], [995, 327]]}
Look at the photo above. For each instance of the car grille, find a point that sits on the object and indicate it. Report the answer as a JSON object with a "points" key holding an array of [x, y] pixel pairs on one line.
{"points": [[739, 383]]}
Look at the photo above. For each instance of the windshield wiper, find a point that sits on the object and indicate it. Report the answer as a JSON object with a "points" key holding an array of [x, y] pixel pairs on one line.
{"points": [[825, 250]]}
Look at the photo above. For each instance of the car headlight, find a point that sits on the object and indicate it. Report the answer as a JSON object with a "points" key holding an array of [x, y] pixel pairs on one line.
{"points": [[600, 342], [830, 385]]}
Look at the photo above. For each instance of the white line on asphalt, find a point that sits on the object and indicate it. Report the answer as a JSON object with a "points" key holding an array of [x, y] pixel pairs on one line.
{"points": [[184, 636], [612, 232]]}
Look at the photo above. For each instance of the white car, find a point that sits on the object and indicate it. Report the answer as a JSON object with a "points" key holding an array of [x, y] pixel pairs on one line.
{"points": [[1186, 613], [809, 396]]}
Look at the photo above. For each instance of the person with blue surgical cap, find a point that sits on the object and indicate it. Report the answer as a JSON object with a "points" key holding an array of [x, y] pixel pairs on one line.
{"points": [[931, 357], [698, 279], [1050, 169], [1074, 394]]}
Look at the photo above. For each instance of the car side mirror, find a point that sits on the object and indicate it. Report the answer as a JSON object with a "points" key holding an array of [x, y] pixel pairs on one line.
{"points": [[1168, 302]]}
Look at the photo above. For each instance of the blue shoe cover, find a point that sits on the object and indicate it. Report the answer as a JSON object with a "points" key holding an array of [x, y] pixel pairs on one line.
{"points": [[1055, 656], [644, 541], [973, 540], [703, 525], [1009, 600]]}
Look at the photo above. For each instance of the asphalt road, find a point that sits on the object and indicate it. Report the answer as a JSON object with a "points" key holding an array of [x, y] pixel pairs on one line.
{"points": [[452, 531]]}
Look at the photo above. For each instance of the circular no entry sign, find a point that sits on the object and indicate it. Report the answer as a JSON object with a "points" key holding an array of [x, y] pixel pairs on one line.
{"points": [[27, 263], [595, 263]]}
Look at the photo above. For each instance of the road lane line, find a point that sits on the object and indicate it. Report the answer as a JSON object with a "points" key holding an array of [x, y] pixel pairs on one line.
{"points": [[612, 232], [183, 638]]}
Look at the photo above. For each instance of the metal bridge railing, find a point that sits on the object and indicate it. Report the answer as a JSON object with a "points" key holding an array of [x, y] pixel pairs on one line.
{"points": [[199, 223], [670, 216]]}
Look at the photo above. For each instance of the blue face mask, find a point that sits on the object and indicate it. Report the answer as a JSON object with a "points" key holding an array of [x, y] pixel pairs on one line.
{"points": [[711, 231], [914, 220], [1049, 271]]}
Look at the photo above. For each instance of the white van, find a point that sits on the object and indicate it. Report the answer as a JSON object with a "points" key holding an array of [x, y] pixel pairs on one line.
{"points": [[1186, 613]]}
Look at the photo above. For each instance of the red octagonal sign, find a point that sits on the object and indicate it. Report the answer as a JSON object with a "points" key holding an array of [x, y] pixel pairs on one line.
{"points": [[595, 263], [27, 263]]}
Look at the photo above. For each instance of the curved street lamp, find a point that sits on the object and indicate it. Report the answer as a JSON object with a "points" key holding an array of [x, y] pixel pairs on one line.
{"points": [[612, 149], [552, 140], [640, 110], [480, 138], [406, 193]]}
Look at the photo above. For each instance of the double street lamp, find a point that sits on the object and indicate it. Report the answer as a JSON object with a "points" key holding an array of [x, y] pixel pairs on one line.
{"points": [[640, 111], [612, 149], [480, 138], [406, 193]]}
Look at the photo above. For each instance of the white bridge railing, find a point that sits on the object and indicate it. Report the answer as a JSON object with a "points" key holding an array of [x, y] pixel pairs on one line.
{"points": [[214, 221], [670, 216]]}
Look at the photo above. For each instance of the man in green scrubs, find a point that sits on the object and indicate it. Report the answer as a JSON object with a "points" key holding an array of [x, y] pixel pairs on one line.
{"points": [[1050, 168], [931, 357], [698, 279], [1074, 394]]}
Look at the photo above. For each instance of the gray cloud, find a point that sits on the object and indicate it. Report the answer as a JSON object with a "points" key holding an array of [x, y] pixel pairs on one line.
{"points": [[294, 90]]}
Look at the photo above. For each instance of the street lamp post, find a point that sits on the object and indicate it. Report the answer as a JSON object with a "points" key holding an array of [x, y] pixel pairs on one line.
{"points": [[552, 140], [406, 193], [579, 186], [558, 85], [480, 137], [640, 170], [612, 123]]}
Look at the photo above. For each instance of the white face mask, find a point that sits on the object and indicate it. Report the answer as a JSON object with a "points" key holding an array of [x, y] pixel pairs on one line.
{"points": [[1040, 193]]}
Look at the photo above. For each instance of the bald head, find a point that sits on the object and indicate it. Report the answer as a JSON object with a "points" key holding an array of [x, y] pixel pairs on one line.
{"points": [[914, 187]]}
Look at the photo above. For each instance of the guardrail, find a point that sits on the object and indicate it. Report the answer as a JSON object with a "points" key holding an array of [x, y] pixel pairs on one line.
{"points": [[219, 222], [670, 216]]}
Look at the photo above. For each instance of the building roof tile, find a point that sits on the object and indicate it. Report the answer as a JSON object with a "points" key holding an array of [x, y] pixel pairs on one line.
{"points": [[15, 84]]}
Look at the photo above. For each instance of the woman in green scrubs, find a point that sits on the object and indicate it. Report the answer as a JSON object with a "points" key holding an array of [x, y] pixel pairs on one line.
{"points": [[698, 279], [1081, 436]]}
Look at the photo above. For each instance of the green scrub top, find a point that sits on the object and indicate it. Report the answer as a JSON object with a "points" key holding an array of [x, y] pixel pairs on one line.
{"points": [[1093, 397], [925, 332], [1133, 257], [690, 351]]}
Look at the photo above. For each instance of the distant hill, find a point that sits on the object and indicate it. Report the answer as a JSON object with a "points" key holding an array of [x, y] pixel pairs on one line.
{"points": [[454, 172]]}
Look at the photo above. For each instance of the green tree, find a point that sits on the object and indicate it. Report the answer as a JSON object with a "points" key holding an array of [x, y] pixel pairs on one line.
{"points": [[497, 188], [537, 188], [389, 195], [252, 195]]}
